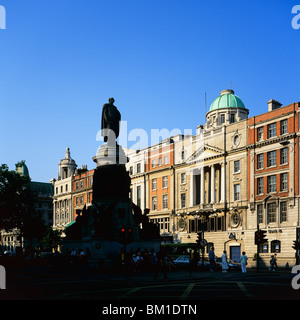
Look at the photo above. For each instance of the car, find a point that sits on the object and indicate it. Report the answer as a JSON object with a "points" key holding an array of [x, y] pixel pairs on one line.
{"points": [[182, 261], [232, 264]]}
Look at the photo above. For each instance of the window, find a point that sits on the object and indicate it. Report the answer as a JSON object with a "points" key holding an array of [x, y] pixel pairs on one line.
{"points": [[283, 126], [77, 201], [56, 190], [232, 118], [81, 184], [138, 196], [236, 166], [271, 130], [222, 118], [138, 168], [283, 155], [166, 160], [165, 182], [61, 189], [272, 158], [260, 133], [182, 155], [182, 200], [237, 191], [182, 178], [271, 212], [77, 185], [235, 220], [81, 200], [260, 212], [283, 181], [260, 161], [272, 183], [154, 184], [153, 163], [163, 224], [275, 246], [159, 162], [283, 211], [165, 200], [131, 170], [263, 248], [66, 188], [154, 203], [260, 185]]}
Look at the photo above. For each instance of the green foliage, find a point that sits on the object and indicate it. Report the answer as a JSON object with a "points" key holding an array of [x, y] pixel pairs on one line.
{"points": [[52, 238], [16, 199]]}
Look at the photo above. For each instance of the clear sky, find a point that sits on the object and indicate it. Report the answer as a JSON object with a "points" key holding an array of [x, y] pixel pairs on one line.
{"points": [[62, 59]]}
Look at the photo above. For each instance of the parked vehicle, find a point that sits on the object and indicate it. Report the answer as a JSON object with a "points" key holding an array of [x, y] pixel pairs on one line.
{"points": [[232, 264], [182, 261]]}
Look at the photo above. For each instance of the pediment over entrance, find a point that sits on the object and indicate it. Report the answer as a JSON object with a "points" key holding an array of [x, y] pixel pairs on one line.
{"points": [[205, 152]]}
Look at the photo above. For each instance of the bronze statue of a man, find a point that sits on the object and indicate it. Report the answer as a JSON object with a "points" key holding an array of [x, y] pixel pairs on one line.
{"points": [[110, 122]]}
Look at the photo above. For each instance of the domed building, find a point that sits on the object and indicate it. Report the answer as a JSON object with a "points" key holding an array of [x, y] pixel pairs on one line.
{"points": [[227, 108], [62, 199]]}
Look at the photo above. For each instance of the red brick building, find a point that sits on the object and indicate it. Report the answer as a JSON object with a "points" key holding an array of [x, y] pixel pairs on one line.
{"points": [[273, 177], [160, 178], [82, 189]]}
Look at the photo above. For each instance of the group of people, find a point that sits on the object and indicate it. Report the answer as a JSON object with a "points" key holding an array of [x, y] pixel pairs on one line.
{"points": [[224, 261], [77, 256], [243, 261], [148, 260]]}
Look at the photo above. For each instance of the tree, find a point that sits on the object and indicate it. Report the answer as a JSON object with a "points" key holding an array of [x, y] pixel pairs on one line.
{"points": [[52, 238], [16, 199]]}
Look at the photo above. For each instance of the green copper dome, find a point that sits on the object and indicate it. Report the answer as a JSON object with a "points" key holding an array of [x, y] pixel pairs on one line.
{"points": [[227, 99], [22, 169]]}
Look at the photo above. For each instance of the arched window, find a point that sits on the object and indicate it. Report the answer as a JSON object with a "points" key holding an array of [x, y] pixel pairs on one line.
{"points": [[275, 246]]}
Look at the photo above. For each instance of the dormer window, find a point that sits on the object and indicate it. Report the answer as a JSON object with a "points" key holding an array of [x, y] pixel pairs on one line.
{"points": [[222, 118], [232, 118]]}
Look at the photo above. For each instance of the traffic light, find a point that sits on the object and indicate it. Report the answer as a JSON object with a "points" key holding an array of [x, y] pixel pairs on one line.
{"points": [[296, 245], [260, 237], [125, 235], [263, 236], [129, 235], [122, 235]]}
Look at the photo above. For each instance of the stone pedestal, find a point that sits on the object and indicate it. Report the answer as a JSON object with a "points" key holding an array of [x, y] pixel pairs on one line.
{"points": [[99, 226]]}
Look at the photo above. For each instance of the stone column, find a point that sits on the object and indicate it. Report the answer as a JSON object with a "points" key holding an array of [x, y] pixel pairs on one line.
{"points": [[222, 184], [192, 192], [212, 184], [202, 188]]}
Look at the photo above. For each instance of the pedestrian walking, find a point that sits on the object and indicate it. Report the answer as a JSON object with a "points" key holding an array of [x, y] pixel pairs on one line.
{"points": [[243, 260], [272, 263], [225, 266], [275, 261], [211, 257]]}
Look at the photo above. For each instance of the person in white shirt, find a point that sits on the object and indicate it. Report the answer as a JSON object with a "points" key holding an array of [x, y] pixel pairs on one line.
{"points": [[243, 260]]}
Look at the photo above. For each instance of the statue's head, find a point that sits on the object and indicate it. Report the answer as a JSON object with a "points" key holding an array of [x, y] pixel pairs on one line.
{"points": [[111, 100]]}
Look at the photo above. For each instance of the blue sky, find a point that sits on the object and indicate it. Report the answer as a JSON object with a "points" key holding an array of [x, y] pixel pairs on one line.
{"points": [[62, 59]]}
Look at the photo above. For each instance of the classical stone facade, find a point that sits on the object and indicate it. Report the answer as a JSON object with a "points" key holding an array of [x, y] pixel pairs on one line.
{"points": [[62, 198], [233, 176], [211, 180]]}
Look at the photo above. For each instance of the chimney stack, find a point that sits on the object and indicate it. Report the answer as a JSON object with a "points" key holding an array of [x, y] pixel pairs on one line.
{"points": [[273, 104]]}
